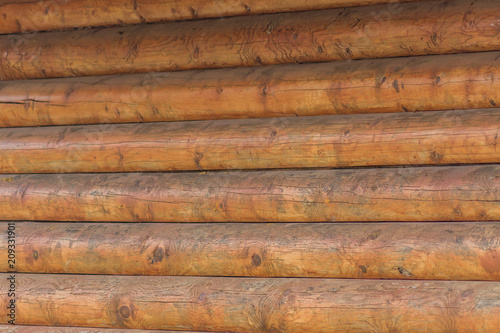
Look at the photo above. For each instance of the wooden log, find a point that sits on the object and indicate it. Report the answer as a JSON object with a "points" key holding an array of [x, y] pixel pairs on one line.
{"points": [[465, 193], [253, 305], [419, 28], [311, 142], [442, 82], [45, 15], [444, 251], [54, 329]]}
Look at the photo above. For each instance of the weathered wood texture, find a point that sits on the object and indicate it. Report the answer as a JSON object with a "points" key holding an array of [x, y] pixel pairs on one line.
{"points": [[429, 27], [255, 305], [63, 14], [445, 251], [310, 142], [466, 193], [54, 329], [442, 82]]}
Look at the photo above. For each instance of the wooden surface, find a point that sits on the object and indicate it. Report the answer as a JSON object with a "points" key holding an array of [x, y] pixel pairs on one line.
{"points": [[436, 251], [312, 142], [255, 305], [407, 239], [465, 193], [424, 83], [63, 14], [428, 27]]}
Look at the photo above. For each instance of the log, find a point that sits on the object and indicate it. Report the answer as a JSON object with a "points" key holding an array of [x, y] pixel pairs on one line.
{"points": [[45, 15], [443, 82], [254, 305], [419, 28], [462, 193], [311, 142], [435, 251]]}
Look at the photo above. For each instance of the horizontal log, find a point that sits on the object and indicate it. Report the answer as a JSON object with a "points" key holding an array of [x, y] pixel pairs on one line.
{"points": [[418, 28], [254, 305], [444, 251], [311, 142], [465, 193], [54, 329], [444, 82], [45, 15]]}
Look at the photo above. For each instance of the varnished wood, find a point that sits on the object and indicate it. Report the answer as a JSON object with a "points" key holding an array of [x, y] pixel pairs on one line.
{"points": [[445, 251], [251, 277], [419, 28], [311, 142], [465, 193], [425, 83], [56, 14], [255, 305]]}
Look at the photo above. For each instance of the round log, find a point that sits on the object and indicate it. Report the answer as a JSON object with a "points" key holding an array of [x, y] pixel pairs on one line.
{"points": [[431, 251], [418, 28], [462, 193], [312, 142], [444, 82], [42, 15], [254, 305]]}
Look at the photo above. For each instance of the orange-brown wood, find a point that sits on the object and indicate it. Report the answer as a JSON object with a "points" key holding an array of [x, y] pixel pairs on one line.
{"points": [[442, 82], [427, 27], [445, 251], [311, 142], [254, 305], [58, 14], [54, 329], [465, 193]]}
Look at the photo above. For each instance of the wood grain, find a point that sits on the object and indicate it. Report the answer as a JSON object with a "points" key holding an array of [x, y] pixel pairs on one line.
{"points": [[465, 193], [311, 142], [443, 82], [44, 15], [419, 28], [435, 251], [255, 305]]}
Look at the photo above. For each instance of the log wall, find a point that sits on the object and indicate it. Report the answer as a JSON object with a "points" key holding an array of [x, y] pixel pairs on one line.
{"points": [[256, 166]]}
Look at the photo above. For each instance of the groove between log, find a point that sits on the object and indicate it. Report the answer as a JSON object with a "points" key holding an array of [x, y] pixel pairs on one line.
{"points": [[444, 251], [443, 82], [311, 142], [254, 305], [54, 329], [52, 15], [464, 193], [420, 28]]}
